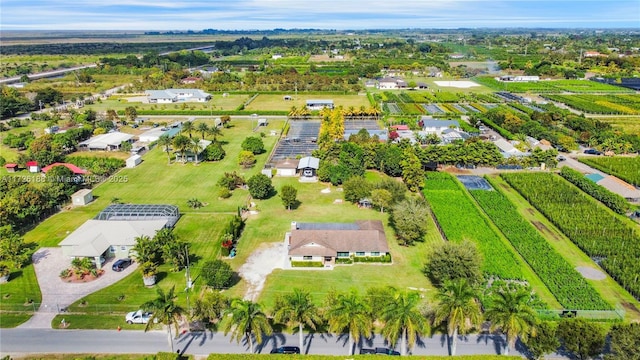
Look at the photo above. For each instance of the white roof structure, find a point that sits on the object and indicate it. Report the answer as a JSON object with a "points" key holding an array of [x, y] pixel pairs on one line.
{"points": [[309, 162], [177, 94], [507, 148], [104, 141], [94, 237]]}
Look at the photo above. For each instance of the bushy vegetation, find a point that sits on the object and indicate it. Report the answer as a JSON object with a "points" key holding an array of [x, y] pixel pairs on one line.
{"points": [[626, 168], [612, 200]]}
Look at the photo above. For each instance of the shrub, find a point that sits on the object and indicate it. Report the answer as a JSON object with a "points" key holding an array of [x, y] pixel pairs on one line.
{"points": [[344, 261], [224, 193], [318, 264], [372, 259], [217, 274], [253, 144], [260, 186]]}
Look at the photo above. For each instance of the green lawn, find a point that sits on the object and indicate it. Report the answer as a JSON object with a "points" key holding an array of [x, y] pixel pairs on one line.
{"points": [[37, 127], [270, 102], [608, 288], [19, 297], [217, 102]]}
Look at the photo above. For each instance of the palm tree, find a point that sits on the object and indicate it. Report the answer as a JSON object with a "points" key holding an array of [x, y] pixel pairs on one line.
{"points": [[459, 308], [203, 128], [188, 127], [512, 313], [297, 308], [349, 312], [215, 132], [165, 311], [196, 148], [166, 142], [401, 317], [182, 143], [246, 319]]}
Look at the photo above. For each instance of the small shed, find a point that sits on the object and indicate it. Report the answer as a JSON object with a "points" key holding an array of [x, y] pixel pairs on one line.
{"points": [[133, 161], [11, 167], [82, 197], [32, 167], [262, 122], [287, 167]]}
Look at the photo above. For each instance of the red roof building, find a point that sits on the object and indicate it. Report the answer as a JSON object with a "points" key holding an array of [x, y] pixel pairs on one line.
{"points": [[400, 127], [11, 167], [76, 170], [32, 163]]}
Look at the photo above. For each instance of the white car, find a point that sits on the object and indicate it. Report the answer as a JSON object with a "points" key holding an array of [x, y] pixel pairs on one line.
{"points": [[138, 317]]}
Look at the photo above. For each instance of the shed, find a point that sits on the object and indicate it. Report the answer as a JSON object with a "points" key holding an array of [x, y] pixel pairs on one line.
{"points": [[308, 166], [262, 122], [287, 167], [11, 167], [82, 197], [133, 161], [32, 167]]}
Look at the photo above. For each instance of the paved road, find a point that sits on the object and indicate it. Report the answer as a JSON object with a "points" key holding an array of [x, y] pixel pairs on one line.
{"points": [[22, 341]]}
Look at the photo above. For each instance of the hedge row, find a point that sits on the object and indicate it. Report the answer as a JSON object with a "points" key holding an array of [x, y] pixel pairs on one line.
{"points": [[314, 264], [372, 259], [612, 200]]}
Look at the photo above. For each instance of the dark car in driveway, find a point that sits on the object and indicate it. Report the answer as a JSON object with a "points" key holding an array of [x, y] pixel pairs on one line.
{"points": [[386, 351], [592, 152], [286, 350], [121, 264]]}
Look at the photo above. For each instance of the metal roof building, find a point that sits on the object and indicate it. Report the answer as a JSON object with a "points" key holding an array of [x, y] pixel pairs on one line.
{"points": [[140, 212]]}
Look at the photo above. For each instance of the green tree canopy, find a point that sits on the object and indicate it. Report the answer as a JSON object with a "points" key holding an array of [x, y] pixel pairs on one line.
{"points": [[407, 218], [253, 144], [452, 261], [583, 338], [216, 274], [260, 186], [288, 194]]}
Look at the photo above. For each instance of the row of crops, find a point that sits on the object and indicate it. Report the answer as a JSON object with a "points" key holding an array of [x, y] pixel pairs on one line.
{"points": [[564, 282], [626, 168], [460, 219], [551, 86], [610, 199], [600, 104], [601, 234]]}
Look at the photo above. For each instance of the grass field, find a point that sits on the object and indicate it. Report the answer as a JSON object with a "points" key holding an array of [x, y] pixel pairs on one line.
{"points": [[608, 288], [217, 102], [267, 102], [628, 124], [37, 127]]}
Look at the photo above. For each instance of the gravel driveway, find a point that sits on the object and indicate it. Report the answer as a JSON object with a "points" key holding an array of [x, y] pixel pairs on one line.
{"points": [[259, 265], [58, 294]]}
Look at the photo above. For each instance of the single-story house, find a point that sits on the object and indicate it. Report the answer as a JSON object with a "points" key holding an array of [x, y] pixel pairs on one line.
{"points": [[287, 167], [106, 142], [174, 95], [100, 239], [33, 167], [11, 167], [391, 83], [541, 144], [370, 83], [319, 104], [133, 161], [450, 135], [155, 134], [75, 169], [422, 85], [308, 166], [190, 155], [431, 126], [325, 242], [507, 149], [82, 197]]}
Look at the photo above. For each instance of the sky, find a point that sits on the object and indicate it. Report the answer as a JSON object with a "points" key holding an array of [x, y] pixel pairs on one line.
{"points": [[165, 15]]}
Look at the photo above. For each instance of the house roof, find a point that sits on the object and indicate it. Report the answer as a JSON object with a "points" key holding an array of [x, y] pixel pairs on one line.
{"points": [[288, 164], [104, 140], [95, 236], [382, 134], [309, 162], [439, 123], [309, 102], [76, 170], [368, 237], [81, 192], [32, 163], [174, 93], [400, 127], [10, 165]]}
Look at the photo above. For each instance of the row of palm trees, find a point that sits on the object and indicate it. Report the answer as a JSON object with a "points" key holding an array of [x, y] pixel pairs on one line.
{"points": [[182, 144], [397, 312]]}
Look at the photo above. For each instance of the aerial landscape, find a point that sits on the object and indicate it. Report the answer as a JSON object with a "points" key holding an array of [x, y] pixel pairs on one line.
{"points": [[238, 180]]}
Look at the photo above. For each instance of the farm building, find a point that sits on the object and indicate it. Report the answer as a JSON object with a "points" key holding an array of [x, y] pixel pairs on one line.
{"points": [[11, 167], [507, 149], [175, 95], [391, 83], [81, 197], [133, 161], [382, 134], [450, 135], [75, 169], [319, 104], [155, 134], [32, 167], [106, 142], [308, 166], [431, 126], [325, 242], [287, 167], [519, 78]]}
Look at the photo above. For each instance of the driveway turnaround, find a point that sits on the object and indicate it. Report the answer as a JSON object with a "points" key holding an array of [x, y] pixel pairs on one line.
{"points": [[58, 294]]}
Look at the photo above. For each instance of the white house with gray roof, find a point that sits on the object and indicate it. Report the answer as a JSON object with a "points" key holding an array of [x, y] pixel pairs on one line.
{"points": [[174, 95], [431, 126]]}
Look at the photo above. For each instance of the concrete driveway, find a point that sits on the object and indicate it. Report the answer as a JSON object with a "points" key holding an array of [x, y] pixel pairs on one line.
{"points": [[58, 294]]}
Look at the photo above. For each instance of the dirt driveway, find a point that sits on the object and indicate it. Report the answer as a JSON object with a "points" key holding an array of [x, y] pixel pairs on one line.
{"points": [[259, 265]]}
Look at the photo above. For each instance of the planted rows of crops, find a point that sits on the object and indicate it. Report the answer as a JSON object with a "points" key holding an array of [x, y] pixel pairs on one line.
{"points": [[599, 104], [564, 282], [626, 168], [550, 86], [600, 233], [461, 220], [612, 200]]}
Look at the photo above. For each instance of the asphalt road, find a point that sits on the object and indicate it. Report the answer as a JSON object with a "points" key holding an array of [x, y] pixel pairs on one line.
{"points": [[31, 341]]}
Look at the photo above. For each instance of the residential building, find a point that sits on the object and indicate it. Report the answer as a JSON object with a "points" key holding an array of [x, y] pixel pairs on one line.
{"points": [[391, 83], [106, 142], [174, 95], [319, 104], [432, 126]]}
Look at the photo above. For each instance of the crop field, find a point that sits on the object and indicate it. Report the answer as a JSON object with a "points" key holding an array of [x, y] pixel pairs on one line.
{"points": [[460, 219], [628, 124], [276, 101], [566, 284], [626, 168], [600, 104], [609, 239], [551, 86]]}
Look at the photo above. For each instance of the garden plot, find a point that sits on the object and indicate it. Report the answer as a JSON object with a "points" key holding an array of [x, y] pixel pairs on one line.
{"points": [[433, 109], [460, 108], [393, 108]]}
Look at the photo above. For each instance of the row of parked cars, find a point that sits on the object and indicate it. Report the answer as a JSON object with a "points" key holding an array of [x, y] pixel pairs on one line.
{"points": [[376, 351]]}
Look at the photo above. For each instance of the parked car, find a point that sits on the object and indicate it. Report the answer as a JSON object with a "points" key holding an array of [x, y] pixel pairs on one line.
{"points": [[367, 351], [138, 317], [286, 350], [593, 152], [121, 264], [386, 351], [561, 158]]}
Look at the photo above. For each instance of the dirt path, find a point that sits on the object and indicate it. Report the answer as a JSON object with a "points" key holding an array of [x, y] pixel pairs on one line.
{"points": [[259, 265]]}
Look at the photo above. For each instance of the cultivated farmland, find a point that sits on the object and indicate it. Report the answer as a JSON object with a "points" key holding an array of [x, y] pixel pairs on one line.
{"points": [[626, 168]]}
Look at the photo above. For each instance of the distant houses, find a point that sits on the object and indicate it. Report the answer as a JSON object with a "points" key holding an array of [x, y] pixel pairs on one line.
{"points": [[319, 104], [174, 95], [390, 83]]}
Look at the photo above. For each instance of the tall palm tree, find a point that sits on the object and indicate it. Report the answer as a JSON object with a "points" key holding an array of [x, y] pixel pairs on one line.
{"points": [[350, 312], [188, 128], [203, 128], [512, 313], [402, 317], [165, 311], [246, 319], [459, 308], [215, 132], [182, 143], [196, 148], [297, 308], [166, 142]]}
